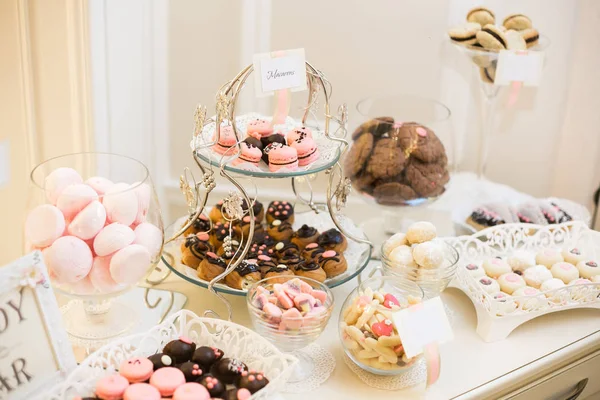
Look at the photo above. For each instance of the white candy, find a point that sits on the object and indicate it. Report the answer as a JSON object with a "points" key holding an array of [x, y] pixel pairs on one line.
{"points": [[420, 232], [394, 241], [402, 256], [536, 275], [520, 261], [121, 204], [428, 255]]}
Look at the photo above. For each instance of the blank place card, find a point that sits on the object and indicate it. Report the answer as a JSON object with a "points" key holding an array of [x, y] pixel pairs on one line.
{"points": [[519, 66]]}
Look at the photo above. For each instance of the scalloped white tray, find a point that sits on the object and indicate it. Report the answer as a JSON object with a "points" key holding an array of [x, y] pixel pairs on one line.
{"points": [[496, 320], [235, 340]]}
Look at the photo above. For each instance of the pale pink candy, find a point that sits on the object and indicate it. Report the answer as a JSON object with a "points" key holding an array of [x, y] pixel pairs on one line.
{"points": [[101, 278], [261, 300], [149, 236], [320, 295], [285, 300], [83, 287], [121, 204], [304, 286], [44, 225], [58, 180], [75, 198], [113, 238], [70, 259], [143, 193], [99, 184], [292, 288], [273, 312], [130, 264], [89, 221], [304, 302], [291, 319]]}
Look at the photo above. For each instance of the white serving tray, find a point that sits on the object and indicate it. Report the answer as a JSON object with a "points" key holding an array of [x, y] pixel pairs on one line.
{"points": [[235, 340], [496, 320]]}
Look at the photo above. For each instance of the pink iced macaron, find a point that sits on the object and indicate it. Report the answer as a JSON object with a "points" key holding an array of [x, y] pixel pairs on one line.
{"points": [[75, 198], [111, 387], [113, 237], [226, 141], [143, 193], [297, 133], [307, 150], [99, 184], [58, 180], [70, 259], [283, 157], [149, 236], [191, 391], [100, 276], [89, 221], [259, 128], [44, 225], [167, 380], [130, 264], [139, 391], [249, 153], [136, 369], [121, 203]]}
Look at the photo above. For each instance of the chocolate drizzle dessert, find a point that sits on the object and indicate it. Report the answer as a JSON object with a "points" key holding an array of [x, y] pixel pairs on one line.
{"points": [[486, 218], [308, 266], [247, 267], [330, 238], [305, 231]]}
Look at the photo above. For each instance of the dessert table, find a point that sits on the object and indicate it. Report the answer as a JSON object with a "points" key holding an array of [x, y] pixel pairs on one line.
{"points": [[471, 369]]}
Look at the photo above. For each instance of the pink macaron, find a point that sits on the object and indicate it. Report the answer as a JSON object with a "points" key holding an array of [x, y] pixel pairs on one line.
{"points": [[70, 259], [89, 221], [167, 380], [130, 264], [139, 391], [294, 134], [99, 184], [111, 387], [143, 193], [191, 391], [58, 180], [226, 141], [100, 276], [113, 238], [44, 225], [307, 150], [249, 153], [259, 128], [283, 157], [149, 236], [74, 198], [136, 369], [121, 203]]}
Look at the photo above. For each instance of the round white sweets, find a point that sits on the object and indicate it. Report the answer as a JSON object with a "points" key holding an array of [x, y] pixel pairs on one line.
{"points": [[588, 269], [495, 267], [420, 232], [573, 255], [489, 285], [552, 284], [394, 241], [565, 272], [548, 257], [536, 275], [510, 282], [475, 270], [504, 303], [401, 256], [531, 300], [520, 261], [585, 293], [428, 255]]}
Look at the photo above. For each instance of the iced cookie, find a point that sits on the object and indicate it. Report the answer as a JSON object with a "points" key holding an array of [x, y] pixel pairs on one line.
{"points": [[475, 270], [536, 275], [428, 255], [489, 285], [420, 232], [588, 269], [573, 255], [494, 267], [518, 22], [491, 38], [552, 284], [481, 16], [504, 303], [565, 272], [526, 298], [510, 282], [548, 257], [519, 261]]}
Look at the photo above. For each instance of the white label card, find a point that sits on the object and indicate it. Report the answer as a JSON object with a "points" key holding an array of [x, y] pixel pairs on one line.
{"points": [[279, 70], [422, 324], [519, 66]]}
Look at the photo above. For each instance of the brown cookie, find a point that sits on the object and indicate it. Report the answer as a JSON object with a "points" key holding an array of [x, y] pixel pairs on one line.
{"points": [[377, 126], [427, 179], [358, 155], [394, 193], [419, 141], [387, 159], [364, 183]]}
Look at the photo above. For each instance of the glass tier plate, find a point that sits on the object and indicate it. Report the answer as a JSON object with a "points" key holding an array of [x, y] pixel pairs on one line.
{"points": [[357, 254], [329, 150]]}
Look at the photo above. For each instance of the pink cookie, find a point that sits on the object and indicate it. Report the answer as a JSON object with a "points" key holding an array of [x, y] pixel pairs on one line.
{"points": [[307, 150], [58, 180], [70, 259], [191, 391], [44, 225], [143, 193], [302, 132], [99, 184], [166, 380], [249, 153], [139, 391], [112, 238], [149, 236], [226, 141], [259, 128], [130, 264], [137, 369], [75, 198], [283, 157], [100, 276], [121, 203], [111, 387], [89, 221]]}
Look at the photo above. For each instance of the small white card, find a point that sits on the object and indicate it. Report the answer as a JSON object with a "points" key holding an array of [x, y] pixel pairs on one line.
{"points": [[519, 66], [422, 324], [279, 70]]}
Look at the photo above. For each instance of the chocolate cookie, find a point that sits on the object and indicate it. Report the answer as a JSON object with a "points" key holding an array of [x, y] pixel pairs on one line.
{"points": [[363, 183], [394, 193], [427, 179], [387, 159], [418, 141], [358, 154], [377, 126]]}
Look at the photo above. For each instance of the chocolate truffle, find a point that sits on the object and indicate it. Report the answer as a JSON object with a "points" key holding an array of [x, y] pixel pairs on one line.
{"points": [[180, 350], [228, 370], [207, 356], [161, 360]]}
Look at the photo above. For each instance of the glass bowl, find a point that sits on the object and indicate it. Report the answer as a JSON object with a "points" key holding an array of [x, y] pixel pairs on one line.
{"points": [[432, 281], [290, 333], [361, 336], [96, 219]]}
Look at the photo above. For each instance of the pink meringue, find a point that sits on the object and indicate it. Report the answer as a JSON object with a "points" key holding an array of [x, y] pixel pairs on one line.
{"points": [[113, 238], [89, 221], [99, 184], [143, 193], [130, 264], [70, 259], [74, 198], [58, 180], [44, 225], [101, 278], [121, 204], [149, 236]]}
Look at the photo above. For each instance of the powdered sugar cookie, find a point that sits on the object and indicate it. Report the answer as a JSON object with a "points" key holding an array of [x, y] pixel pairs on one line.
{"points": [[494, 267], [548, 257], [420, 232], [489, 285], [573, 255], [519, 261], [536, 275], [510, 282], [428, 255], [565, 272]]}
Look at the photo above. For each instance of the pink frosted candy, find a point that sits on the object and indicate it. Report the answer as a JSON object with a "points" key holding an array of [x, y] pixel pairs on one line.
{"points": [[89, 221], [75, 198], [292, 288], [100, 276], [291, 319], [99, 184], [261, 300], [143, 193], [320, 295], [70, 259], [149, 236], [383, 328], [121, 204], [44, 225], [273, 312], [304, 286], [83, 287], [112, 238], [285, 301], [304, 302], [58, 180], [130, 264]]}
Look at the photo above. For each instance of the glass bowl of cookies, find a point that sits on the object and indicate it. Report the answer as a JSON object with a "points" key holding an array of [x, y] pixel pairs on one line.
{"points": [[366, 330]]}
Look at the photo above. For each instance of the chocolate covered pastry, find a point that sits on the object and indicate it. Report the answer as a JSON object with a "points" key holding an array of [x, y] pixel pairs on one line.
{"points": [[244, 275], [333, 239], [312, 251], [200, 224], [265, 263], [211, 267], [305, 235], [194, 249], [281, 210], [280, 230], [312, 270], [281, 274], [333, 263]]}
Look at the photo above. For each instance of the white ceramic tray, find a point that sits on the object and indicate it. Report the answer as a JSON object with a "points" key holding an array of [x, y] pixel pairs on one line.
{"points": [[496, 320], [235, 340]]}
